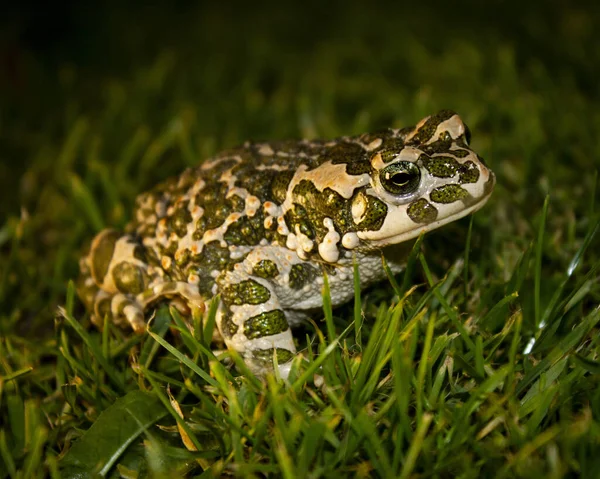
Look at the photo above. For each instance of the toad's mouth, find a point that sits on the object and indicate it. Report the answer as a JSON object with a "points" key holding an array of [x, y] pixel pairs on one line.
{"points": [[412, 233]]}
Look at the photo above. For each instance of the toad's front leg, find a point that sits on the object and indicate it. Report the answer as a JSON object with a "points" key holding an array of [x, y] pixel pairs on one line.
{"points": [[251, 318]]}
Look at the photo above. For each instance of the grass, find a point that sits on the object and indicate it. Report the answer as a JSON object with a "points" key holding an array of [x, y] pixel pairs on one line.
{"points": [[480, 360]]}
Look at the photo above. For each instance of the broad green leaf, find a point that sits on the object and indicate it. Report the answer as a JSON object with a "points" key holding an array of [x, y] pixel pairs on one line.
{"points": [[109, 437]]}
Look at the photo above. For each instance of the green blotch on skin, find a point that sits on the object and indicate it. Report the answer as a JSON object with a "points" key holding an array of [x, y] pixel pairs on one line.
{"points": [[150, 257], [139, 252], [358, 167], [440, 166], [404, 132], [280, 185], [237, 203], [448, 194], [216, 208], [421, 211], [265, 356], [228, 327], [211, 193], [428, 129], [128, 278], [170, 249], [265, 324], [247, 231], [312, 206], [389, 154], [290, 147], [212, 258], [390, 149], [180, 219], [374, 216], [445, 137], [387, 137], [461, 153], [301, 274], [226, 162], [352, 154], [183, 258], [334, 206], [103, 308], [468, 173], [259, 185], [298, 216], [245, 292], [102, 253], [265, 268]]}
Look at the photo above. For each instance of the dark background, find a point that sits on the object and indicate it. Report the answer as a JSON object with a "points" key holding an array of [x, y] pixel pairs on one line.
{"points": [[43, 43], [101, 100]]}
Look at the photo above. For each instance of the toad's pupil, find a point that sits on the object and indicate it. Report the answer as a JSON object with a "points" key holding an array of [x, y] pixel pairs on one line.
{"points": [[400, 179]]}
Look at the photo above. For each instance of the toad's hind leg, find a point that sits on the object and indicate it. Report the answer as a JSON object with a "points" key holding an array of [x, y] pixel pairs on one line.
{"points": [[184, 296], [117, 281], [120, 309], [123, 309], [112, 274]]}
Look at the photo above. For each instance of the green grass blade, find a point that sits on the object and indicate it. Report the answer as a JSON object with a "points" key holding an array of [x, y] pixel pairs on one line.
{"points": [[184, 359], [416, 446], [564, 347], [358, 314], [410, 266], [467, 255], [449, 310], [539, 245], [94, 348]]}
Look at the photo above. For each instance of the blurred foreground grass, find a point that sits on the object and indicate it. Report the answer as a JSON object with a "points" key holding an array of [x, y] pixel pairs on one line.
{"points": [[490, 366]]}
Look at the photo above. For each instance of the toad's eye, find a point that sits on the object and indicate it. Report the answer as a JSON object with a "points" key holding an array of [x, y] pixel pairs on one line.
{"points": [[401, 178]]}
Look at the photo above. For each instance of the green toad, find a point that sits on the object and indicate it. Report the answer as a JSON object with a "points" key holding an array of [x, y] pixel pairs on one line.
{"points": [[261, 224]]}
